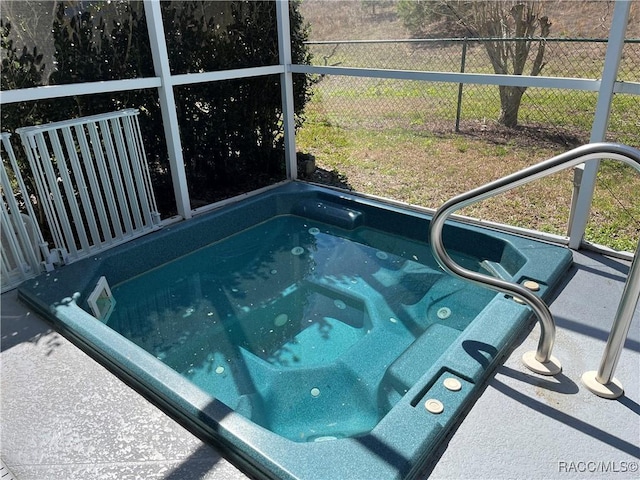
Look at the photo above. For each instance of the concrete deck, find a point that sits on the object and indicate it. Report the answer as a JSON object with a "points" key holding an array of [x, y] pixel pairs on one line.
{"points": [[64, 416]]}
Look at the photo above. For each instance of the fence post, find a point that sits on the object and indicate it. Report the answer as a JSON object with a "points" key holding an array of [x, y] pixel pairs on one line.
{"points": [[462, 64]]}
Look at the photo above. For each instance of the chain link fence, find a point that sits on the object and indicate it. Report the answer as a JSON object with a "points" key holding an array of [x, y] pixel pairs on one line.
{"points": [[566, 115]]}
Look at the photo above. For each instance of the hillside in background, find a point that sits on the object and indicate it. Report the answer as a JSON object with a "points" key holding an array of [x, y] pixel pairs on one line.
{"points": [[375, 19]]}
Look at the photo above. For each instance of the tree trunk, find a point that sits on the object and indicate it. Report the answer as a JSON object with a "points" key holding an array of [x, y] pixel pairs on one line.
{"points": [[503, 21], [510, 98]]}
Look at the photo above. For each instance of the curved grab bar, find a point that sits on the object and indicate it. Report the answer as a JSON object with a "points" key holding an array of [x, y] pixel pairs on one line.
{"points": [[542, 362]]}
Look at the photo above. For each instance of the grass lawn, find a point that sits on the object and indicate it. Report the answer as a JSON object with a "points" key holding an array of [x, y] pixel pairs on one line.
{"points": [[417, 166]]}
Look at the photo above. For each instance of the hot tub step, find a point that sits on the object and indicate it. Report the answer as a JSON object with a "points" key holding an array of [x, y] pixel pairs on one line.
{"points": [[420, 356]]}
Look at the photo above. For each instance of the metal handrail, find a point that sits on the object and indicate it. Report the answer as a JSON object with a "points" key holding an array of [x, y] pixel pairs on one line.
{"points": [[543, 362]]}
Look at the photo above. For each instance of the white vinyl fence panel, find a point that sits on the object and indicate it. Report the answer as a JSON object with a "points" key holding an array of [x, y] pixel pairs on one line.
{"points": [[92, 177], [24, 252]]}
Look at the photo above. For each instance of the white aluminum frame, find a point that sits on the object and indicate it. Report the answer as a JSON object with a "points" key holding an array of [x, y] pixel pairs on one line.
{"points": [[164, 81], [586, 174]]}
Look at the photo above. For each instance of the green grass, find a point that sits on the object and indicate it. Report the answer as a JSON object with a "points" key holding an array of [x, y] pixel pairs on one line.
{"points": [[393, 137], [422, 168], [615, 210]]}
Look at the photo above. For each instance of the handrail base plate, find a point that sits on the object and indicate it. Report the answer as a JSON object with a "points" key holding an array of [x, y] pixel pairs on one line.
{"points": [[611, 390], [551, 367]]}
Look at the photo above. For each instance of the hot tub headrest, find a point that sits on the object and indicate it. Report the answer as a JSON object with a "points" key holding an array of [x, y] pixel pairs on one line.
{"points": [[331, 213]]}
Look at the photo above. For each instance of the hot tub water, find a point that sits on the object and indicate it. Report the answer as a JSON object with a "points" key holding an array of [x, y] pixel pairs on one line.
{"points": [[277, 320]]}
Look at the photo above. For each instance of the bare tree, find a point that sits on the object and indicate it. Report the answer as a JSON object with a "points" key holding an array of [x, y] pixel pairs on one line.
{"points": [[524, 24], [516, 30]]}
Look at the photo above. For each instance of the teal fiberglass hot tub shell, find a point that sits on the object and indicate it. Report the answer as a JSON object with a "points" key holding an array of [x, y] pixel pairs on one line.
{"points": [[303, 330]]}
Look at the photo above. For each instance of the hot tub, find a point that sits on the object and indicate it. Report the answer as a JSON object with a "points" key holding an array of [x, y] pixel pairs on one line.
{"points": [[309, 333]]}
